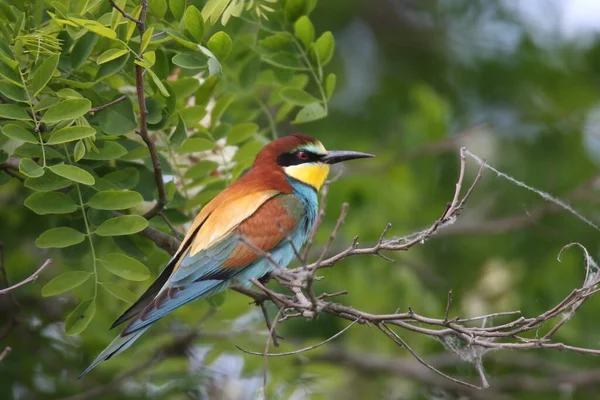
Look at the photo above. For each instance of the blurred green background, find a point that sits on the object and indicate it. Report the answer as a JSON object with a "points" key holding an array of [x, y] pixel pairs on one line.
{"points": [[517, 83]]}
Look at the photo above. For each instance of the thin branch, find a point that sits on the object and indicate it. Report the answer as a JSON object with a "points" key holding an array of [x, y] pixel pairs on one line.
{"points": [[290, 353], [110, 103], [143, 129], [265, 313], [170, 225], [11, 163], [31, 278], [267, 344], [166, 242], [5, 352], [124, 13], [394, 336]]}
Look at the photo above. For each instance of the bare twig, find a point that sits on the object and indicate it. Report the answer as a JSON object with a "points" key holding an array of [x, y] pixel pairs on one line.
{"points": [[31, 278], [170, 225], [5, 352], [11, 163], [290, 353], [110, 103], [265, 313], [125, 14], [394, 336]]}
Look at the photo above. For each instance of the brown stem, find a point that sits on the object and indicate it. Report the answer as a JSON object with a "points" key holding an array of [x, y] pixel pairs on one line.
{"points": [[143, 129], [110, 103]]}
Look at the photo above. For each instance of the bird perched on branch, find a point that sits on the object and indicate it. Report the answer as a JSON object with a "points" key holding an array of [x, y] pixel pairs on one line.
{"points": [[273, 207]]}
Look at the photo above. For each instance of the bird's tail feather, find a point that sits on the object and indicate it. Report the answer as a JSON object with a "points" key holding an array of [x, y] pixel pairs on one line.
{"points": [[117, 346]]}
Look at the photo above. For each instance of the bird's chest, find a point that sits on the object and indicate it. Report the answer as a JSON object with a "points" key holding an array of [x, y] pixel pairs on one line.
{"points": [[310, 203]]}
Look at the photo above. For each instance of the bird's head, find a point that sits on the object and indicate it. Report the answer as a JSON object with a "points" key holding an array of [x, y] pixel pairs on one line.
{"points": [[303, 158]]}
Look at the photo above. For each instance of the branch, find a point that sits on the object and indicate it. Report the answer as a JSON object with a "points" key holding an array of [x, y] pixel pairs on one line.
{"points": [[11, 163], [111, 103], [125, 14], [31, 278], [166, 242], [143, 129], [5, 352]]}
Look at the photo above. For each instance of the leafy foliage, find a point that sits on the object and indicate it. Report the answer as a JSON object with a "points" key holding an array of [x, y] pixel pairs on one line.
{"points": [[69, 113]]}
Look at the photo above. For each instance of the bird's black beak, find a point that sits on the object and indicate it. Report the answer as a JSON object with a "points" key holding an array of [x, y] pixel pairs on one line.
{"points": [[334, 157]]}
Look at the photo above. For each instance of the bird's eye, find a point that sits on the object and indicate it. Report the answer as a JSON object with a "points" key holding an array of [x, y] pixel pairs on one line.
{"points": [[302, 155]]}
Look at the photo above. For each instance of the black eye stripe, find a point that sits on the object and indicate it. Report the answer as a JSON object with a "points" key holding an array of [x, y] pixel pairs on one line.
{"points": [[288, 159]]}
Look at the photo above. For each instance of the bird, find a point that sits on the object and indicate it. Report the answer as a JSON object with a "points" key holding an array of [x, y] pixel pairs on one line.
{"points": [[273, 206]]}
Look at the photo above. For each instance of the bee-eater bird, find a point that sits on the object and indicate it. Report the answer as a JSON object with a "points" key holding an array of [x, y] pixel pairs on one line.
{"points": [[273, 206]]}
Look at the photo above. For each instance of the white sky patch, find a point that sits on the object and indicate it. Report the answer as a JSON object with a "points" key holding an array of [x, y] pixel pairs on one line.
{"points": [[571, 19]]}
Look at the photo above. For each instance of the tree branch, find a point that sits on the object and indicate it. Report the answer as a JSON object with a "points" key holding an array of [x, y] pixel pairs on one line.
{"points": [[110, 103], [143, 129], [31, 278], [125, 14]]}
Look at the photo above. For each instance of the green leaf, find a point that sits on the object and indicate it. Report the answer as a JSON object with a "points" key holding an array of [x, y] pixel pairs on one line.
{"points": [[115, 200], [189, 60], [78, 151], [200, 169], [126, 178], [59, 238], [284, 60], [194, 23], [304, 30], [213, 9], [48, 182], [214, 67], [110, 54], [43, 203], [120, 292], [241, 132], [71, 134], [125, 267], [123, 225], [177, 8], [68, 93], [146, 39], [13, 111], [297, 96], [195, 144], [324, 47], [293, 9], [310, 113], [220, 45], [112, 67], [96, 27], [179, 134], [10, 75], [17, 132], [158, 7], [161, 87], [106, 151], [65, 282], [73, 173], [13, 92], [66, 109], [330, 85], [43, 73], [82, 50], [181, 40], [118, 119], [80, 317], [30, 168]]}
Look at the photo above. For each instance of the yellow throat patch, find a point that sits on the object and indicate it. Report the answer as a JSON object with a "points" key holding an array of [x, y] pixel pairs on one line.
{"points": [[313, 174]]}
